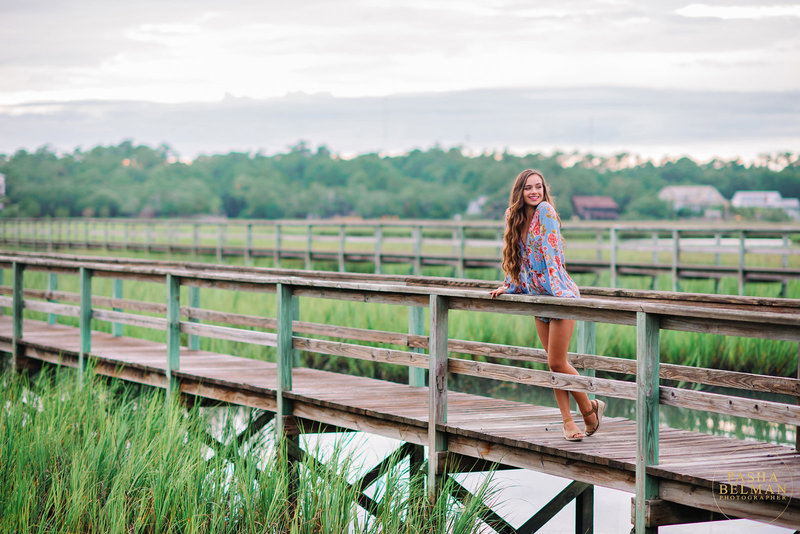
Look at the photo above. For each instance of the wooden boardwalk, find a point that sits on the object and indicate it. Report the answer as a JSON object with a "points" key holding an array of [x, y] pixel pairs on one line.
{"points": [[676, 476], [511, 433]]}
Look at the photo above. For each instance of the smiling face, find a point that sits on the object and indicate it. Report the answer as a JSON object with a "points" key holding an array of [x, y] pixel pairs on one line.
{"points": [[533, 191]]}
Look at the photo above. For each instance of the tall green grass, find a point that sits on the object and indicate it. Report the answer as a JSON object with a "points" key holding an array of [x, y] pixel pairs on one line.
{"points": [[113, 457]]}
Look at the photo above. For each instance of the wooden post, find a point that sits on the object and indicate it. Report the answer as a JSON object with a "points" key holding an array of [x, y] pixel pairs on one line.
{"points": [[147, 236], [86, 234], [378, 247], [116, 292], [718, 245], [461, 251], [676, 256], [437, 400], [584, 502], [613, 265], [417, 233], [599, 245], [742, 253], [248, 244], [170, 238], [85, 321], [16, 313], [173, 331], [285, 357], [105, 235], [195, 239], [127, 234], [647, 414], [584, 511], [416, 326], [308, 247], [276, 253], [785, 245], [52, 285], [655, 248], [341, 248], [785, 264], [50, 236], [220, 244], [194, 302], [586, 343]]}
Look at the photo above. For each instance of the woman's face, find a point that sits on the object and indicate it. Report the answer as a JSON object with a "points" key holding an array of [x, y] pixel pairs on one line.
{"points": [[533, 191]]}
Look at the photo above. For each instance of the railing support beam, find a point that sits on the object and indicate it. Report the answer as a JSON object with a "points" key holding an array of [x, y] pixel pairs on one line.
{"points": [[647, 415], [173, 331], [116, 292], [16, 313], [285, 357], [437, 401], [85, 321]]}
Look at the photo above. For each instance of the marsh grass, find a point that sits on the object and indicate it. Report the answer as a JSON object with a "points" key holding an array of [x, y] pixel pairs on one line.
{"points": [[114, 457]]}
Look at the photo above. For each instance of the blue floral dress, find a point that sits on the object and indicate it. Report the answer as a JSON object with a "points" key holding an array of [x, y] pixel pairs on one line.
{"points": [[542, 271]]}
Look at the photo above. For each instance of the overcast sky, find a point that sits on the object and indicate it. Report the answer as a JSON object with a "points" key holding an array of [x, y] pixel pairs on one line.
{"points": [[200, 51]]}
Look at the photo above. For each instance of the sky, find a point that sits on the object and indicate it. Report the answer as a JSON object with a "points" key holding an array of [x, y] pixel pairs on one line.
{"points": [[198, 51]]}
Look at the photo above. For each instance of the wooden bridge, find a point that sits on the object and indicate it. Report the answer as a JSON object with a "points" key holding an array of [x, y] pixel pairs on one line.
{"points": [[676, 476], [680, 250]]}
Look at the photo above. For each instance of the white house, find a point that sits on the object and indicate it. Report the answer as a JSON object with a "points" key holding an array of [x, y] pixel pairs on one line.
{"points": [[703, 200], [767, 200]]}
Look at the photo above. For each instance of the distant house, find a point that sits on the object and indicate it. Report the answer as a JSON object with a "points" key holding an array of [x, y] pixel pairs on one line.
{"points": [[593, 207], [767, 200], [700, 200]]}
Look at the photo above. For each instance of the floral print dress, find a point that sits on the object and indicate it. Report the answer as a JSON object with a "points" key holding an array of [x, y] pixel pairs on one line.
{"points": [[542, 270]]}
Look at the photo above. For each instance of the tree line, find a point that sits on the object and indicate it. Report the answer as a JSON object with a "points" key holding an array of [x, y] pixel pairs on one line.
{"points": [[129, 180]]}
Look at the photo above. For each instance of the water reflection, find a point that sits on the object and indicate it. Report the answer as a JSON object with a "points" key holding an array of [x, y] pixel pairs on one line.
{"points": [[520, 493]]}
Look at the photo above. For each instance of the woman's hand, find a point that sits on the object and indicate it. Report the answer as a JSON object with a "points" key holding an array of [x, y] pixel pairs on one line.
{"points": [[499, 291]]}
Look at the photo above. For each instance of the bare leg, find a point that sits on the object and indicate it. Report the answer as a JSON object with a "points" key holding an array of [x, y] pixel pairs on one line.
{"points": [[555, 337]]}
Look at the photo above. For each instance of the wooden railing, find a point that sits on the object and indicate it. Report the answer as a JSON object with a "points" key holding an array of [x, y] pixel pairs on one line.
{"points": [[649, 312], [682, 250]]}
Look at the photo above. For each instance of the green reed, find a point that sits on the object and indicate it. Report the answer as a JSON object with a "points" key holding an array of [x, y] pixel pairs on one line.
{"points": [[115, 457]]}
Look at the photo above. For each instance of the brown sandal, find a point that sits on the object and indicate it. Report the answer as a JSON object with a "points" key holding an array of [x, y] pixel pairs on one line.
{"points": [[598, 407], [575, 436]]}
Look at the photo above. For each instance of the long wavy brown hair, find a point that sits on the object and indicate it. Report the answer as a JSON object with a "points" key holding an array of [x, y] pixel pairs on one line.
{"points": [[516, 219]]}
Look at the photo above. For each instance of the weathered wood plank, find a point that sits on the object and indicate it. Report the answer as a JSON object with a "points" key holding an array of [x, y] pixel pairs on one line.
{"points": [[536, 377], [232, 334], [145, 321], [361, 352]]}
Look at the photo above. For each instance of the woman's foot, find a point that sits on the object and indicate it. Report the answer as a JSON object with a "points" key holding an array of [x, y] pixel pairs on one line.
{"points": [[593, 418], [571, 431]]}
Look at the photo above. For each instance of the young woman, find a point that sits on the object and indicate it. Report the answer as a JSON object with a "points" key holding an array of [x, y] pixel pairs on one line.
{"points": [[533, 261]]}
